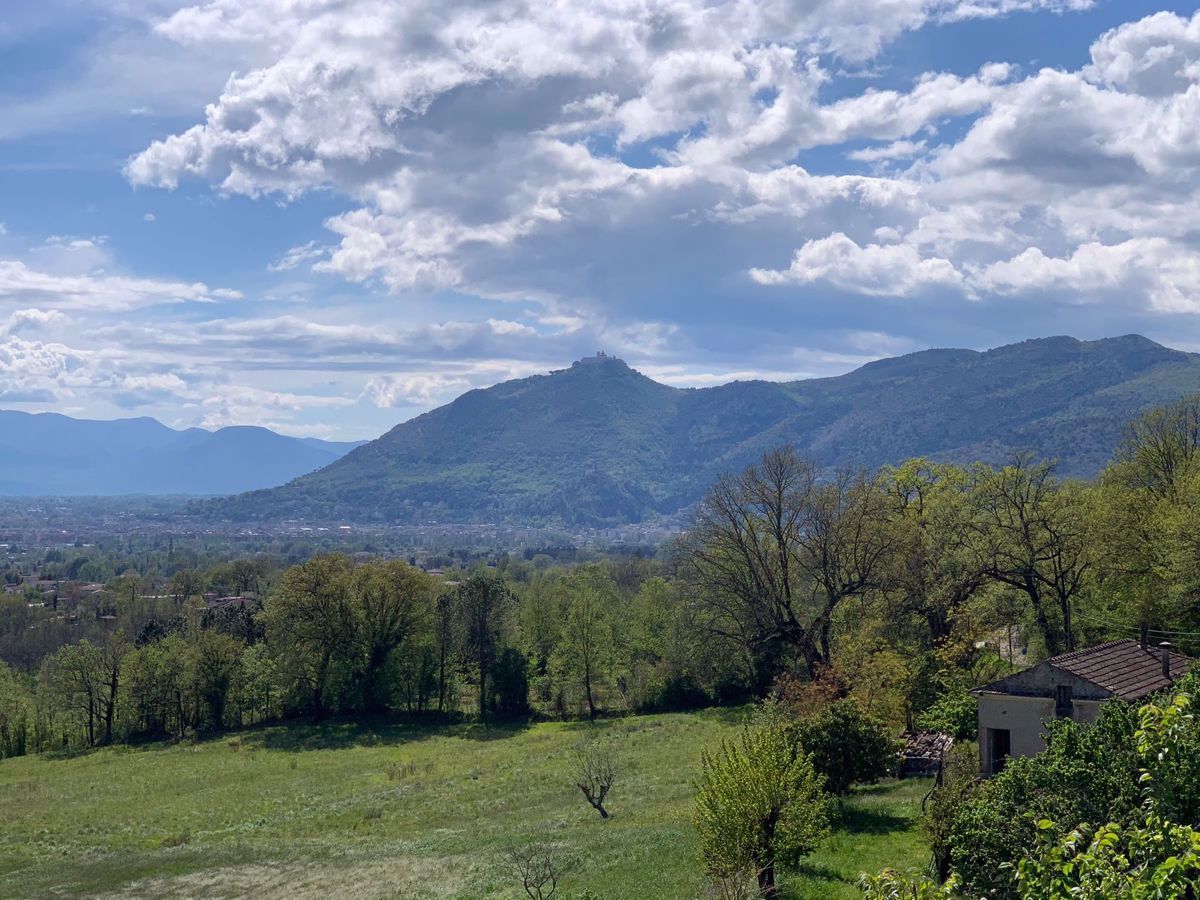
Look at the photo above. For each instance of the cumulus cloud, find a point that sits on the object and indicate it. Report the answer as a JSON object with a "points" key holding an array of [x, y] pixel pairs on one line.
{"points": [[534, 181], [479, 139], [882, 270]]}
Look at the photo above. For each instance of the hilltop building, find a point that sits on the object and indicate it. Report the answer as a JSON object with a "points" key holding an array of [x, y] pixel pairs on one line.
{"points": [[1013, 710]]}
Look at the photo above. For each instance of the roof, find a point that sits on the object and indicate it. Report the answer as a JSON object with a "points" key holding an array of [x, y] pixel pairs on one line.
{"points": [[1123, 667]]}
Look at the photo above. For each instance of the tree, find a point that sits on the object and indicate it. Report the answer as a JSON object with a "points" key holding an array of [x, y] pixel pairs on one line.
{"points": [[443, 643], [1032, 538], [774, 552], [759, 805], [185, 584], [215, 662], [936, 570], [485, 604], [847, 746], [539, 865], [73, 677], [1160, 447], [392, 601], [586, 649], [334, 626], [595, 774], [310, 625]]}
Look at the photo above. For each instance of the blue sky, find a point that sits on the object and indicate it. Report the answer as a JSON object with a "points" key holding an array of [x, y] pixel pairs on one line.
{"points": [[327, 217]]}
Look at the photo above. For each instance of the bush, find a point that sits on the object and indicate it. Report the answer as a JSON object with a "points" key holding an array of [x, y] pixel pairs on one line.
{"points": [[1086, 774], [959, 782], [848, 746]]}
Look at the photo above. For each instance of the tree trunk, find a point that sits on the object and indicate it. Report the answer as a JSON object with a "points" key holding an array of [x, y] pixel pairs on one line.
{"points": [[766, 880], [587, 688], [1049, 634]]}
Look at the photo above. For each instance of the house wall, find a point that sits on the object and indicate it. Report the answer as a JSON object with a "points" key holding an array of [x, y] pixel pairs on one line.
{"points": [[1022, 716], [1025, 719]]}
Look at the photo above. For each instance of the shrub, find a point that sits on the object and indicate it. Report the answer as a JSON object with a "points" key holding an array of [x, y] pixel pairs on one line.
{"points": [[892, 885], [1085, 774], [759, 804], [848, 746]]}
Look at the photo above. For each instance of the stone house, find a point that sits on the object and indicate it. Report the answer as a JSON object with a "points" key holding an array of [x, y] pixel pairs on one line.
{"points": [[1073, 686]]}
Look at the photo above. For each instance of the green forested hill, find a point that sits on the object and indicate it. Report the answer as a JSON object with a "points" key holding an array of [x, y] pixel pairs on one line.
{"points": [[600, 443]]}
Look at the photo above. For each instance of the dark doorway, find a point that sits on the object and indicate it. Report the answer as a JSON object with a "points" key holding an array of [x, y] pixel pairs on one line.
{"points": [[999, 748]]}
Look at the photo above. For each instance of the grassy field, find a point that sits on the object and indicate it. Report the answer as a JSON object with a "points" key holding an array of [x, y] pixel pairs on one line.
{"points": [[394, 811]]}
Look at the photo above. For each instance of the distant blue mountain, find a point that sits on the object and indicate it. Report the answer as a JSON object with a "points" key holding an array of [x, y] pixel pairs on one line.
{"points": [[48, 454]]}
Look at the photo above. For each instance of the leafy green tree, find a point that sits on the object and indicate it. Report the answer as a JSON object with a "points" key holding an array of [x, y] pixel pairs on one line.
{"points": [[955, 713], [1032, 537], [759, 805], [76, 680], [310, 626], [485, 606], [391, 602], [586, 651], [18, 715], [847, 745], [214, 666], [333, 626], [936, 570]]}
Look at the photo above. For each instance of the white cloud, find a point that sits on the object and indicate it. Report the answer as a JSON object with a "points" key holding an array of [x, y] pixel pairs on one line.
{"points": [[1168, 275], [297, 256], [389, 391], [882, 270], [1156, 56], [21, 284], [32, 319]]}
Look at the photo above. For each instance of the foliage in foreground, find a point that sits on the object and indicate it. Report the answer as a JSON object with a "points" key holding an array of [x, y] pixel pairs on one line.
{"points": [[1158, 856], [759, 805]]}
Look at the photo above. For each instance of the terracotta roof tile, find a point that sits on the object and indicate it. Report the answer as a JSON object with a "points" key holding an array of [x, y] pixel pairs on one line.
{"points": [[1123, 667]]}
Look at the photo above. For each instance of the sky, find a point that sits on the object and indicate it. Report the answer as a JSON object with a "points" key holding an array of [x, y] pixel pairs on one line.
{"points": [[327, 216]]}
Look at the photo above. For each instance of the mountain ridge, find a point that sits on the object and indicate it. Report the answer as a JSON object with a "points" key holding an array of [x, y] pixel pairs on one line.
{"points": [[600, 443], [50, 454]]}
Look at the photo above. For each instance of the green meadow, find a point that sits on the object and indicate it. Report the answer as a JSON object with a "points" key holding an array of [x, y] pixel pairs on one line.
{"points": [[397, 811]]}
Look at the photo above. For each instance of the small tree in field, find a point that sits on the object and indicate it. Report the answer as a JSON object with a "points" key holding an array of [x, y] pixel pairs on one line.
{"points": [[595, 773], [539, 866], [759, 804]]}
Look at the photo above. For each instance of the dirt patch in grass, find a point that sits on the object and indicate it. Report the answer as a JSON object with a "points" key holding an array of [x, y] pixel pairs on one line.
{"points": [[419, 878]]}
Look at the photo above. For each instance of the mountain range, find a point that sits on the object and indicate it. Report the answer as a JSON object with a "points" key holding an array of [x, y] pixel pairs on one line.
{"points": [[599, 443], [46, 454]]}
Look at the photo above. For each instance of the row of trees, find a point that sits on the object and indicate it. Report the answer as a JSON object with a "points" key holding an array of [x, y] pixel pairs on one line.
{"points": [[878, 585], [793, 567]]}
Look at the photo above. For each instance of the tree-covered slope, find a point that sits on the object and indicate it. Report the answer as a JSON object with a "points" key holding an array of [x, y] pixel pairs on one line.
{"points": [[600, 443]]}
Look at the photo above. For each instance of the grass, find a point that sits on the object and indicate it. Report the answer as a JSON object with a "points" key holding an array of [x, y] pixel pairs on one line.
{"points": [[395, 811]]}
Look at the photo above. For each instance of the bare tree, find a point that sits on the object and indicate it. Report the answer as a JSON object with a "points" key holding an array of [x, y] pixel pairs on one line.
{"points": [[774, 552], [539, 865], [595, 773]]}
